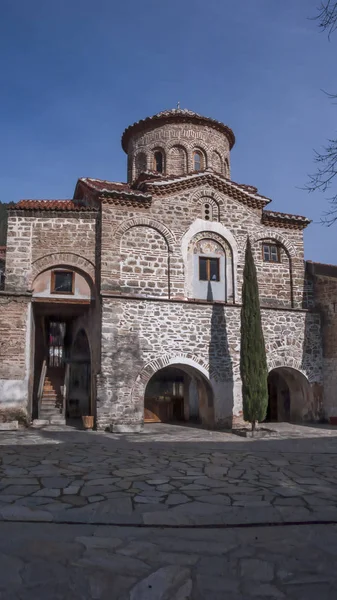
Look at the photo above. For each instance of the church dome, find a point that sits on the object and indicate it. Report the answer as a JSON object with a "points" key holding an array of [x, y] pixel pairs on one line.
{"points": [[177, 142]]}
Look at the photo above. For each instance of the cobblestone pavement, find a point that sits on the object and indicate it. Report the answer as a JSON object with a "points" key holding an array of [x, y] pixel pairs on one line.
{"points": [[82, 562], [169, 476], [173, 514]]}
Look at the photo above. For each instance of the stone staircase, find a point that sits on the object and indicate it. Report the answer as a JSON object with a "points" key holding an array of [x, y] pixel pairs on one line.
{"points": [[52, 398]]}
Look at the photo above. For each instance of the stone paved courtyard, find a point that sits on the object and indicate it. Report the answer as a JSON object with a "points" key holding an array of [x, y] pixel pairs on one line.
{"points": [[173, 513]]}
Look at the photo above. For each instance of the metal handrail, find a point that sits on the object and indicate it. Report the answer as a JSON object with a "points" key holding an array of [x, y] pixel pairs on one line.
{"points": [[65, 389], [41, 385]]}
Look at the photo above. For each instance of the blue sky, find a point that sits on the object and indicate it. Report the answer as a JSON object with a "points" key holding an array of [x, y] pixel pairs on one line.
{"points": [[75, 73]]}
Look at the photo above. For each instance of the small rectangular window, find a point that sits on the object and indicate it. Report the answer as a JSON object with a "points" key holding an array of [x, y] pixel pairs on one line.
{"points": [[62, 282], [209, 269], [271, 253]]}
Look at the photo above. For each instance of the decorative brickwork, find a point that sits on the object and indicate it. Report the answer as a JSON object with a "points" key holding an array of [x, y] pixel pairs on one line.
{"points": [[178, 142], [32, 238], [68, 259]]}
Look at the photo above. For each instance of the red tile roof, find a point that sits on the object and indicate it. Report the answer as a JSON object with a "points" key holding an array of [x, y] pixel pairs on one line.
{"points": [[67, 205], [272, 218], [111, 187], [176, 115]]}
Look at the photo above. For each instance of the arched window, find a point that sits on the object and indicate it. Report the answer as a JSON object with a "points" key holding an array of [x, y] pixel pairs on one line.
{"points": [[211, 268], [207, 212], [227, 168], [158, 161], [198, 161], [210, 209], [2, 274]]}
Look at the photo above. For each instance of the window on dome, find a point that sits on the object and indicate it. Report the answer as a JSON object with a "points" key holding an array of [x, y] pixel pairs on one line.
{"points": [[158, 162], [197, 158]]}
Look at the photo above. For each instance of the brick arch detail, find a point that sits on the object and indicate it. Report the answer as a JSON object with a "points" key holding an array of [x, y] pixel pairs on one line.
{"points": [[215, 151], [144, 221], [61, 258], [190, 361], [176, 142], [287, 356], [167, 360], [171, 146], [207, 192], [268, 234], [199, 148]]}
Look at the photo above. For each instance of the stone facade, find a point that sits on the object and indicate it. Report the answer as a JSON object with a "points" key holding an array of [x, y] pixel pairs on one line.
{"points": [[322, 280], [139, 245]]}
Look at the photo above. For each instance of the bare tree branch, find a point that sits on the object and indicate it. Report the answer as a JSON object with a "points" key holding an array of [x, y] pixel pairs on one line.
{"points": [[326, 161], [327, 16]]}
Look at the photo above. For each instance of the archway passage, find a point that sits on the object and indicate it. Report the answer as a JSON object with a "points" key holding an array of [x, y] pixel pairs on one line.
{"points": [[79, 387], [179, 393], [290, 395]]}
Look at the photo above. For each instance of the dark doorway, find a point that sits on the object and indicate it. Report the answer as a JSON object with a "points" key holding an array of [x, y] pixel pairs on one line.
{"points": [[54, 328], [79, 381], [178, 394], [278, 398], [290, 396]]}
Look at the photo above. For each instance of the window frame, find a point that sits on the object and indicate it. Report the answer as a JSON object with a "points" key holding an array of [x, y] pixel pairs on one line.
{"points": [[156, 153], [208, 260], [201, 159], [53, 279], [270, 246]]}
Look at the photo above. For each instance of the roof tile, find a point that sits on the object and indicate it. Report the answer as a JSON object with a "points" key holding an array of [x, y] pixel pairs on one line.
{"points": [[66, 205]]}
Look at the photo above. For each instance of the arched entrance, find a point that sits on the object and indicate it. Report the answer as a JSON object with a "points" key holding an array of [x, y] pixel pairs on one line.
{"points": [[290, 395], [79, 383], [179, 393]]}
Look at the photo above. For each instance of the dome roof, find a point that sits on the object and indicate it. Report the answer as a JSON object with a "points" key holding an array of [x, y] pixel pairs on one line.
{"points": [[182, 115]]}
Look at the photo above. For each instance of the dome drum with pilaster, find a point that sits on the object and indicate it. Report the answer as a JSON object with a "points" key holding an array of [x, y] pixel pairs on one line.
{"points": [[177, 142]]}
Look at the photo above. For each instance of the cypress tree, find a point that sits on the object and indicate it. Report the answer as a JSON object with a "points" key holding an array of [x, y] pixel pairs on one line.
{"points": [[253, 362]]}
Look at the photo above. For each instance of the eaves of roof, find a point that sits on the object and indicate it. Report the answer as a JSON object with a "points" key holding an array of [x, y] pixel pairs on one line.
{"points": [[286, 220], [242, 193], [101, 187], [175, 115], [51, 205]]}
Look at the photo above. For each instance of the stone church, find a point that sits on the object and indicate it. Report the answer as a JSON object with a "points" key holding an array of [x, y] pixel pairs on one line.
{"points": [[124, 302]]}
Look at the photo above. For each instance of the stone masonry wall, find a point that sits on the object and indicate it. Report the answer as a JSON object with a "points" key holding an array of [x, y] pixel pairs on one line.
{"points": [[29, 238], [174, 214], [325, 293], [139, 337], [144, 262], [14, 350], [274, 279]]}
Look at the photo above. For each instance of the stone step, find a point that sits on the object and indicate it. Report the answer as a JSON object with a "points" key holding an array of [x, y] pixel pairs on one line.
{"points": [[59, 420]]}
